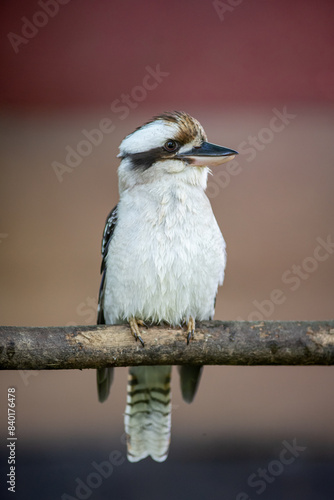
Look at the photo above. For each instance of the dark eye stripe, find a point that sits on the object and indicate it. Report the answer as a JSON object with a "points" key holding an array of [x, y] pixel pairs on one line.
{"points": [[145, 159]]}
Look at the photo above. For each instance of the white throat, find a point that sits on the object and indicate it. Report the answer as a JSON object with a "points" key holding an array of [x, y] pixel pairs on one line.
{"points": [[165, 172]]}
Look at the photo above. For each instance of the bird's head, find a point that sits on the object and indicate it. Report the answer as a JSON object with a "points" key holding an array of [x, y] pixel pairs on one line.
{"points": [[170, 144]]}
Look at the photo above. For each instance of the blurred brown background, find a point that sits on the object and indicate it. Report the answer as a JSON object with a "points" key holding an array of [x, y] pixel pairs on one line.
{"points": [[259, 76]]}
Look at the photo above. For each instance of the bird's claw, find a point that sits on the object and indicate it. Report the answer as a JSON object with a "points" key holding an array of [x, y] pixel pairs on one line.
{"points": [[142, 323], [190, 330], [138, 337], [190, 336], [133, 322]]}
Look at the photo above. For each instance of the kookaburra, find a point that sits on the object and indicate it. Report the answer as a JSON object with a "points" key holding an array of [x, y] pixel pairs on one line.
{"points": [[163, 259]]}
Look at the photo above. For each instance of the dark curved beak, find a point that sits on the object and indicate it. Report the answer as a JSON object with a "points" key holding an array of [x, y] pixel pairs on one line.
{"points": [[207, 155]]}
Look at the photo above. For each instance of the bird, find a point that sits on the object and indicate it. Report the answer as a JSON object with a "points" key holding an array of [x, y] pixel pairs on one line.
{"points": [[163, 258]]}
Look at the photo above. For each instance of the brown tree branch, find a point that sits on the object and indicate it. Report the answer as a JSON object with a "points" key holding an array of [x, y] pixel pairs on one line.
{"points": [[215, 343]]}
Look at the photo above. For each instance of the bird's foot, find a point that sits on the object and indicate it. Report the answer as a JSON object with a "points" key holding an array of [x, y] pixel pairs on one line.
{"points": [[133, 322], [190, 329]]}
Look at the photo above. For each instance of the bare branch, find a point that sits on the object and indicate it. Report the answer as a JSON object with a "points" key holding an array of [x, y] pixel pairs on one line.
{"points": [[215, 343]]}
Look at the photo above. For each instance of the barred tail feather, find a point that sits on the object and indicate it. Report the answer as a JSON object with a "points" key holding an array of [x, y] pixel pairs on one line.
{"points": [[148, 412]]}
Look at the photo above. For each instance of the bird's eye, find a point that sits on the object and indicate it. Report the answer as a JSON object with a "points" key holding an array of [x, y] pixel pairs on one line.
{"points": [[170, 146]]}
